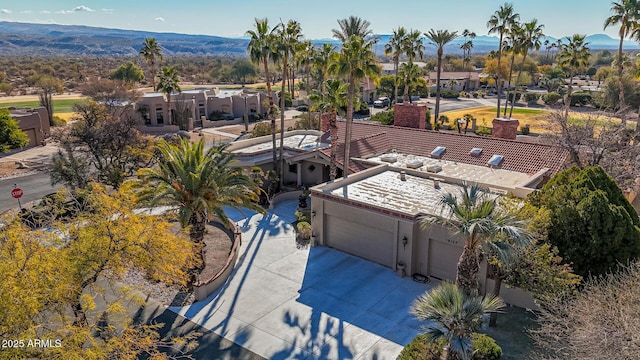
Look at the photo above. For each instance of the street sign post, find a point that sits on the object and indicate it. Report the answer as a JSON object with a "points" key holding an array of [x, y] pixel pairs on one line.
{"points": [[17, 193]]}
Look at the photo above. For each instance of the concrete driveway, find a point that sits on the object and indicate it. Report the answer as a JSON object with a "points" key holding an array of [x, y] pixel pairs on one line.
{"points": [[287, 302]]}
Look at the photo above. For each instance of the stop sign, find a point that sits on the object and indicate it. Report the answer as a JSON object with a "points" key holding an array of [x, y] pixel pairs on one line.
{"points": [[16, 193]]}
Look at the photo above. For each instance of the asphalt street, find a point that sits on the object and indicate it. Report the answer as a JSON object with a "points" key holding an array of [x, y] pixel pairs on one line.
{"points": [[33, 186]]}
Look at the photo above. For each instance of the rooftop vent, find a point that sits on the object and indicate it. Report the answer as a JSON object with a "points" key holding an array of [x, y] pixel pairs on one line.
{"points": [[475, 152], [434, 168], [403, 175], [414, 164], [495, 160], [389, 158], [438, 152]]}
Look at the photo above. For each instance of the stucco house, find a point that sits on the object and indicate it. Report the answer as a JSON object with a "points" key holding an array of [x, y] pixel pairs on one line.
{"points": [[455, 80], [34, 122]]}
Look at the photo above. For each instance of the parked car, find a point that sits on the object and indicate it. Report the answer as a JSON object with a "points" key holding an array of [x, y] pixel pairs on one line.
{"points": [[381, 102]]}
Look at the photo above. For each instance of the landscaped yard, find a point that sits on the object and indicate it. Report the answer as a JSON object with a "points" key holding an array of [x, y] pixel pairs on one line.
{"points": [[510, 333], [484, 115]]}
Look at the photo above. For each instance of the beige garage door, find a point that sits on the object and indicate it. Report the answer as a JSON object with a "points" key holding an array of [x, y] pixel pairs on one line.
{"points": [[443, 260], [360, 240]]}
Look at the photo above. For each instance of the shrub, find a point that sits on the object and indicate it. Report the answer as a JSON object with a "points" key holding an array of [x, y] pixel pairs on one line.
{"points": [[531, 98], [420, 348], [551, 98], [219, 115], [449, 94], [384, 117], [475, 94], [483, 130], [304, 230], [525, 130], [58, 121], [261, 129], [581, 98], [363, 109], [518, 96], [254, 117], [302, 216]]}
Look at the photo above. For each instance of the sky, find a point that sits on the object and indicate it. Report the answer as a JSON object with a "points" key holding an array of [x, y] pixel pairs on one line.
{"points": [[232, 18]]}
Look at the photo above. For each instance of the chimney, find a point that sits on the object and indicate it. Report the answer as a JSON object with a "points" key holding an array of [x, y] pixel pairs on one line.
{"points": [[505, 128]]}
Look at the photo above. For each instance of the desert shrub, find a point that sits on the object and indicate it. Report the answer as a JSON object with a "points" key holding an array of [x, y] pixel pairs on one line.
{"points": [[384, 117], [581, 98], [518, 96], [449, 94], [261, 129], [475, 94], [304, 230], [525, 130], [551, 98], [58, 121], [304, 123], [420, 348], [483, 130], [255, 117], [531, 98], [302, 216]]}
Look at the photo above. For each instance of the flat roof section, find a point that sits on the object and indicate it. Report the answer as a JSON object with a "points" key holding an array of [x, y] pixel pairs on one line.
{"points": [[386, 190], [465, 172], [299, 142]]}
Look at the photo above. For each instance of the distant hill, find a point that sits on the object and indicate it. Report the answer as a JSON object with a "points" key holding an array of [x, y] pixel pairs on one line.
{"points": [[74, 40]]}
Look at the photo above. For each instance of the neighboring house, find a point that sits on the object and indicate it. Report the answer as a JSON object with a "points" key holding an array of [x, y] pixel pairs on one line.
{"points": [[201, 104], [34, 122], [461, 80], [389, 69]]}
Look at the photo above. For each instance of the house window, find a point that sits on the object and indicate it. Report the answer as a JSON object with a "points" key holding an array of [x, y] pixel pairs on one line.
{"points": [[159, 116], [144, 112], [293, 168], [201, 110]]}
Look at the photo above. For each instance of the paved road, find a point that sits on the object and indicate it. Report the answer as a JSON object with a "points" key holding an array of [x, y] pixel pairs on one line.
{"points": [[34, 187]]}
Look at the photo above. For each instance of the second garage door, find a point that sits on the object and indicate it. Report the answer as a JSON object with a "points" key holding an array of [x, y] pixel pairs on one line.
{"points": [[443, 260], [361, 240]]}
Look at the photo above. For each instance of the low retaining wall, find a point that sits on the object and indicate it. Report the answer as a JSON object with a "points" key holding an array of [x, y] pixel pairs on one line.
{"points": [[218, 123], [290, 195], [203, 288], [514, 296]]}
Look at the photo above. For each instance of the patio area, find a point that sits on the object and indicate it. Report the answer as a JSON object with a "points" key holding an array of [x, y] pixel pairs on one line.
{"points": [[286, 302]]}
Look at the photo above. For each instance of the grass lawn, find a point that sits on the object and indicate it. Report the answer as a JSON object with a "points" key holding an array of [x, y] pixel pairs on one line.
{"points": [[510, 333], [59, 106], [534, 117]]}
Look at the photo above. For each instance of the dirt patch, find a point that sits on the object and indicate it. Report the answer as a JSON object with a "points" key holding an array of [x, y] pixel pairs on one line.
{"points": [[9, 168], [217, 248]]}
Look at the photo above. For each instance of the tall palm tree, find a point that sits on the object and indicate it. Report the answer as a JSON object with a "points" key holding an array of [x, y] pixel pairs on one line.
{"points": [[287, 37], [440, 38], [355, 62], [531, 33], [169, 83], [395, 48], [500, 22], [453, 316], [151, 52], [627, 14], [261, 51], [574, 55], [352, 26], [200, 184], [476, 216], [466, 47], [513, 44], [329, 102], [413, 47], [409, 73], [321, 62]]}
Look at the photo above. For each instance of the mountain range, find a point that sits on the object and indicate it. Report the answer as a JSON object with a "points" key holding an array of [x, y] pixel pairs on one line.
{"points": [[18, 39]]}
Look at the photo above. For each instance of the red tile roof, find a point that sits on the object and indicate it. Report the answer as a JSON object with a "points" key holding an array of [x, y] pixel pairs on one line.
{"points": [[375, 139]]}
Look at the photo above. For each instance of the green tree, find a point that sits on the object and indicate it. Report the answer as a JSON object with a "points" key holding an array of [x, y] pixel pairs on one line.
{"points": [[410, 73], [602, 74], [589, 220], [287, 37], [501, 22], [261, 50], [627, 14], [321, 61], [413, 46], [329, 102], [395, 48], [242, 69], [441, 38], [169, 83], [454, 316], [129, 73], [574, 55], [531, 33], [200, 183], [476, 216], [11, 137], [355, 62], [151, 52], [352, 26], [47, 86]]}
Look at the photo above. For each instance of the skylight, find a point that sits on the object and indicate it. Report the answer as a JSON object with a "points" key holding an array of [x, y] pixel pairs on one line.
{"points": [[495, 160], [438, 151], [475, 152]]}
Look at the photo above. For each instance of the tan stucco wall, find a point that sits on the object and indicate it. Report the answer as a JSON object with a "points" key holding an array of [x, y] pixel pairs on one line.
{"points": [[34, 123]]}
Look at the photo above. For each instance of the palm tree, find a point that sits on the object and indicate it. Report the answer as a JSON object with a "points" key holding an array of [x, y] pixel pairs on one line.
{"points": [[574, 55], [355, 62], [287, 39], [413, 47], [531, 35], [409, 73], [500, 22], [466, 47], [352, 26], [395, 48], [168, 83], [329, 102], [627, 14], [513, 44], [151, 52], [440, 38], [456, 316], [261, 50], [321, 62], [475, 215], [200, 184]]}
